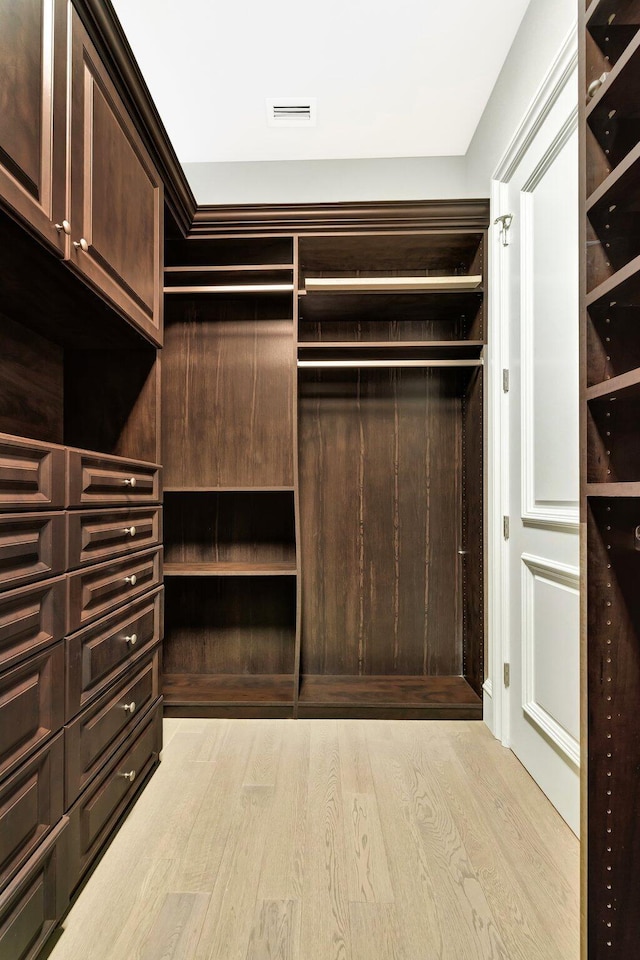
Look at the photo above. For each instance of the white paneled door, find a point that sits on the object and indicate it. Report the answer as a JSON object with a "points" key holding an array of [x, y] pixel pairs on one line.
{"points": [[542, 551]]}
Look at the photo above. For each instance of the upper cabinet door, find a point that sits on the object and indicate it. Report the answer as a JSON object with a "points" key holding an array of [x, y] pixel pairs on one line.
{"points": [[116, 193], [33, 114]]}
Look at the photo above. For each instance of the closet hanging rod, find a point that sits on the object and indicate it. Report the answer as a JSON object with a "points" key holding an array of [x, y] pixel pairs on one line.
{"points": [[235, 288], [391, 362]]}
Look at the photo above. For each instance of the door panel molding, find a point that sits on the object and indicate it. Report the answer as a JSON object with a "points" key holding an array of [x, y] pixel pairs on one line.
{"points": [[563, 575], [536, 511]]}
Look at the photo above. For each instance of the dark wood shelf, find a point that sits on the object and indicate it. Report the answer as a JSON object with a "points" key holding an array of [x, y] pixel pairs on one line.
{"points": [[622, 82], [396, 307], [599, 11], [614, 189], [228, 489], [231, 569], [627, 383], [409, 696], [620, 489], [234, 268], [238, 289], [624, 283], [410, 349], [195, 689]]}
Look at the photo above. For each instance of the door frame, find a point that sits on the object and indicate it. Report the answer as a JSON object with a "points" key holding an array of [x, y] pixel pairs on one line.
{"points": [[495, 694]]}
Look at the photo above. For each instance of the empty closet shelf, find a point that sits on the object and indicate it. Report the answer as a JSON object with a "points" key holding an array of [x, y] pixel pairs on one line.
{"points": [[621, 288], [227, 689], [410, 349], [231, 569], [235, 288], [389, 284], [626, 383], [619, 489], [415, 695]]}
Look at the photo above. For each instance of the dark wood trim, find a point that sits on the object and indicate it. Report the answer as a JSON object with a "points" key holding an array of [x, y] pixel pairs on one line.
{"points": [[262, 219], [103, 26]]}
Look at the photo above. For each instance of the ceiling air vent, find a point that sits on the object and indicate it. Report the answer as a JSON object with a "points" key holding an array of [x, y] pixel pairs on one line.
{"points": [[291, 111]]}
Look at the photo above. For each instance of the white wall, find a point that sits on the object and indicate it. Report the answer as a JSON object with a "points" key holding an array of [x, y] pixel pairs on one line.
{"points": [[545, 26], [327, 181]]}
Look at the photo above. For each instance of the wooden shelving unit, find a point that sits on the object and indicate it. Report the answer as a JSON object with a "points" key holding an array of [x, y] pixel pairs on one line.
{"points": [[610, 151]]}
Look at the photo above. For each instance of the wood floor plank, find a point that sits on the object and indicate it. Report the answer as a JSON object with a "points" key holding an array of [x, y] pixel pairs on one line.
{"points": [[376, 933], [365, 853], [276, 931], [282, 872], [274, 840], [462, 902], [177, 927], [325, 915], [229, 920], [526, 931]]}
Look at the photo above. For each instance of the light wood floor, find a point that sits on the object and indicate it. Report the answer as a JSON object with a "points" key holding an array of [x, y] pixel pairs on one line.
{"points": [[333, 840]]}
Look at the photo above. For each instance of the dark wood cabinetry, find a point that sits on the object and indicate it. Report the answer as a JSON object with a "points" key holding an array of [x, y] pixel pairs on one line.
{"points": [[610, 256], [33, 45], [116, 193], [80, 487], [324, 551]]}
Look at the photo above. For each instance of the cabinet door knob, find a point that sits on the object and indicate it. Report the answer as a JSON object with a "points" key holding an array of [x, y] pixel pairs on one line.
{"points": [[130, 776], [131, 482], [132, 639], [129, 707], [131, 531], [64, 227], [132, 579], [595, 85], [81, 244]]}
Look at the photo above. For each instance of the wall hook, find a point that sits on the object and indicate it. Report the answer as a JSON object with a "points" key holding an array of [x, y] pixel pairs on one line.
{"points": [[505, 222]]}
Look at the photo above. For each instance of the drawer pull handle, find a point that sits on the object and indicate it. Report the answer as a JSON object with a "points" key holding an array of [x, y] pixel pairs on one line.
{"points": [[130, 776], [130, 482], [131, 531], [129, 707], [81, 244], [132, 579], [132, 640], [64, 227]]}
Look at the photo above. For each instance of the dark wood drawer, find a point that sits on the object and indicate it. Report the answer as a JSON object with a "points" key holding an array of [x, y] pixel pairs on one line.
{"points": [[31, 706], [31, 803], [31, 618], [105, 724], [33, 903], [32, 545], [31, 475], [95, 591], [97, 655], [98, 481], [94, 815], [94, 535]]}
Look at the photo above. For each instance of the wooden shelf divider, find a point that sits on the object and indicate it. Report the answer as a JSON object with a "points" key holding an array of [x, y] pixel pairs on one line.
{"points": [[231, 569]]}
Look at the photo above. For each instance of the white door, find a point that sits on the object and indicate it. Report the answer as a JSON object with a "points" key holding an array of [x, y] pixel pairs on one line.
{"points": [[543, 697]]}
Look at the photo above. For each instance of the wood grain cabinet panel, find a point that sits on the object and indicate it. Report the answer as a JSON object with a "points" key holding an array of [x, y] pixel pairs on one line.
{"points": [[105, 724], [31, 618], [103, 481], [32, 545], [97, 655], [31, 803], [31, 473], [33, 903], [31, 706], [96, 590], [100, 534], [116, 194], [93, 816], [33, 112]]}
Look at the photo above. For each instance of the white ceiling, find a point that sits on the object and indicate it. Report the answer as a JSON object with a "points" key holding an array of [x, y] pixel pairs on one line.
{"points": [[408, 78]]}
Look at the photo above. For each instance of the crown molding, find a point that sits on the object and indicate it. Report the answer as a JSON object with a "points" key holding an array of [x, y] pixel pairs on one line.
{"points": [[258, 219]]}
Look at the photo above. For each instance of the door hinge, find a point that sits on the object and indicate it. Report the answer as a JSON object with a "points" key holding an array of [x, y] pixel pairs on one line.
{"points": [[506, 672], [505, 222], [505, 527], [505, 381]]}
